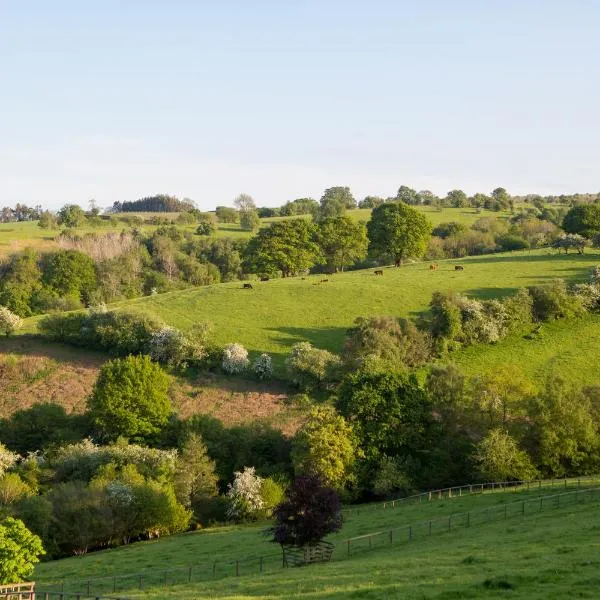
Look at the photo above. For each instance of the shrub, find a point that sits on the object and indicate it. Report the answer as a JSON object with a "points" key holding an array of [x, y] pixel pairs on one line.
{"points": [[482, 322], [244, 494], [235, 359], [272, 494], [510, 242], [553, 301], [396, 341], [310, 367], [9, 322], [390, 478], [130, 398], [12, 489], [263, 367], [19, 551], [170, 347], [518, 309], [446, 321], [8, 459]]}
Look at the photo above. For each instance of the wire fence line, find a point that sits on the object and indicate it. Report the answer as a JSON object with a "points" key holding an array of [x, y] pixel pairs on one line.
{"points": [[101, 586], [56, 595], [458, 491], [472, 518]]}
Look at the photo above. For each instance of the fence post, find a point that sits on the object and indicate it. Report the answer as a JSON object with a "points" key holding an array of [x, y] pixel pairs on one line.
{"points": [[565, 482], [370, 542], [348, 547], [190, 574], [523, 507], [468, 519], [261, 564], [410, 532], [88, 588], [237, 568], [215, 568], [541, 502], [506, 511], [429, 527], [391, 537], [114, 584], [141, 581], [450, 523]]}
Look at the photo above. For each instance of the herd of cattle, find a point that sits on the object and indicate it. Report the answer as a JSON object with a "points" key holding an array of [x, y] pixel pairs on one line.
{"points": [[432, 267]]}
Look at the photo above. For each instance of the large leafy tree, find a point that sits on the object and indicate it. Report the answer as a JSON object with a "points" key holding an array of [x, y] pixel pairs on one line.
{"points": [[71, 215], [130, 398], [19, 551], [408, 195], [286, 246], [390, 412], [457, 199], [309, 512], [70, 273], [583, 219], [19, 280], [335, 201], [325, 446], [398, 230], [343, 241]]}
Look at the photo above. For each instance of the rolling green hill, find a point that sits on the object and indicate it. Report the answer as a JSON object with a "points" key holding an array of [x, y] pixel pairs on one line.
{"points": [[276, 314]]}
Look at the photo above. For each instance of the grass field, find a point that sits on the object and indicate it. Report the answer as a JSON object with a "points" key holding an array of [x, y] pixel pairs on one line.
{"points": [[539, 536], [276, 314], [17, 236]]}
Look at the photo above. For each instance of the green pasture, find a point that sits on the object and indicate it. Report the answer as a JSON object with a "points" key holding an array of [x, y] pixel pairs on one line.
{"points": [[246, 544], [274, 315]]}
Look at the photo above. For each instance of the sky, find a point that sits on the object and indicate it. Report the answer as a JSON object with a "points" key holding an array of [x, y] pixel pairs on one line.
{"points": [[117, 100]]}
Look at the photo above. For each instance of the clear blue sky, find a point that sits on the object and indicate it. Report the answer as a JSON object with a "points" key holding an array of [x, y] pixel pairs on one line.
{"points": [[115, 100]]}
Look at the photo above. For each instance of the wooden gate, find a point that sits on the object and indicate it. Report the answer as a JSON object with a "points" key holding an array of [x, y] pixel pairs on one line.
{"points": [[17, 591]]}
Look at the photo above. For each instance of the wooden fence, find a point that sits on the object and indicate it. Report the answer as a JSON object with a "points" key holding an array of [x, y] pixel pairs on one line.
{"points": [[17, 591], [474, 488], [497, 512], [56, 595]]}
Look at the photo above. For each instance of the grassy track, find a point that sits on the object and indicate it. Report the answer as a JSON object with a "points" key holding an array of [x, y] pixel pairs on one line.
{"points": [[276, 314], [231, 543]]}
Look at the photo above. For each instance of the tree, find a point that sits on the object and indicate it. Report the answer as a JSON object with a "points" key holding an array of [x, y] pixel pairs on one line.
{"points": [[390, 412], [398, 230], [572, 241], [130, 398], [457, 199], [325, 446], [70, 273], [407, 195], [428, 198], [195, 477], [342, 240], [371, 202], [225, 214], [48, 220], [583, 219], [249, 220], [20, 282], [9, 322], [501, 197], [309, 512], [244, 203], [499, 458], [285, 246], [71, 215], [564, 437], [335, 201], [19, 551]]}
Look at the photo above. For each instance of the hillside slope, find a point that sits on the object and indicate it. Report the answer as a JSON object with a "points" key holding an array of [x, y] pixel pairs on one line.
{"points": [[276, 314]]}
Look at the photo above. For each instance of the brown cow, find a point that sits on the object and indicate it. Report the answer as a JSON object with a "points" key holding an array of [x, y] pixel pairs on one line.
{"points": [[379, 272], [324, 280], [248, 286], [434, 267], [264, 279], [459, 268]]}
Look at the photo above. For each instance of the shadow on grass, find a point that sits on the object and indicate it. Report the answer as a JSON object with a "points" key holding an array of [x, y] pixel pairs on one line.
{"points": [[331, 338]]}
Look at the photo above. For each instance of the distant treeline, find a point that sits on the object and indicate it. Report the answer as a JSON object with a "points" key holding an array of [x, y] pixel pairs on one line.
{"points": [[158, 203]]}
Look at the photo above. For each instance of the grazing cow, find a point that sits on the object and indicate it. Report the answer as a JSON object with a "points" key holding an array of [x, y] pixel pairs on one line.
{"points": [[434, 267], [459, 268], [379, 272], [264, 279], [324, 280], [248, 286]]}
